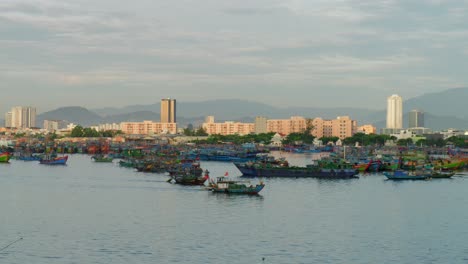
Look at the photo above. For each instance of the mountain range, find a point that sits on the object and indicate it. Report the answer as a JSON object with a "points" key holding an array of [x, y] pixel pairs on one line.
{"points": [[442, 110]]}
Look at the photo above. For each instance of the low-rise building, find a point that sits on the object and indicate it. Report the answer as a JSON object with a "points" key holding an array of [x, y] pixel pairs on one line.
{"points": [[148, 128]]}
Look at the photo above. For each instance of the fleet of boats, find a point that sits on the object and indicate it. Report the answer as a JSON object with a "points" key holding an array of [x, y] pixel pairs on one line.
{"points": [[182, 164]]}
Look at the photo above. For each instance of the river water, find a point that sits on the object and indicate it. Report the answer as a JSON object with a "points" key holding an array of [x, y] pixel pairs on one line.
{"points": [[89, 212]]}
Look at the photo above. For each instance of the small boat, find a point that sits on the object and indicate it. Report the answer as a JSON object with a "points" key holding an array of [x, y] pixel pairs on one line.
{"points": [[406, 175], [101, 158], [225, 185], [442, 174], [30, 158], [189, 178], [5, 157], [54, 161]]}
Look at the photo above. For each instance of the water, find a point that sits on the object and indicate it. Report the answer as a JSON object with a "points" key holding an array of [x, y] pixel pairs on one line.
{"points": [[99, 213]]}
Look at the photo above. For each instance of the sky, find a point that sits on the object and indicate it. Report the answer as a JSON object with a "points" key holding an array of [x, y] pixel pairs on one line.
{"points": [[320, 53]]}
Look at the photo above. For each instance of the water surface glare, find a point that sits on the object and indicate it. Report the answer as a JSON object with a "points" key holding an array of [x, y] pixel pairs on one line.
{"points": [[89, 212]]}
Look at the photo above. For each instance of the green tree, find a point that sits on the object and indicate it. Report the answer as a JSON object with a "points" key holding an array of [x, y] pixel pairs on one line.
{"points": [[77, 131]]}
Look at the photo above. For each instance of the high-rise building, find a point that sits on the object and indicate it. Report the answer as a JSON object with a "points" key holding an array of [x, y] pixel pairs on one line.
{"points": [[168, 111], [260, 125], [415, 119], [23, 117], [394, 112], [8, 119]]}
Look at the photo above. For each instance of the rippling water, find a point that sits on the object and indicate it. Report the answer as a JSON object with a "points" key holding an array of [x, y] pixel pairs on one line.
{"points": [[99, 213]]}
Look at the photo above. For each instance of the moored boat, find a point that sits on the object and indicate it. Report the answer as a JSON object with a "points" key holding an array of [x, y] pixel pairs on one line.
{"points": [[225, 185], [312, 171], [406, 175], [54, 161], [101, 158], [5, 157]]}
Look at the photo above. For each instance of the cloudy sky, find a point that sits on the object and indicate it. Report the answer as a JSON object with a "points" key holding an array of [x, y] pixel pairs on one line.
{"points": [[98, 53]]}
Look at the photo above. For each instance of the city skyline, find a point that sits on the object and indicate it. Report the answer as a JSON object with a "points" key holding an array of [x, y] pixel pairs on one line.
{"points": [[57, 54]]}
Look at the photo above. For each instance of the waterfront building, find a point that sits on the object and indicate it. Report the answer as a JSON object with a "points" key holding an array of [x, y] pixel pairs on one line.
{"points": [[8, 119], [415, 119], [148, 128], [168, 111], [227, 128], [54, 125], [23, 117], [296, 124], [341, 127], [107, 127], [261, 125], [367, 129], [394, 112]]}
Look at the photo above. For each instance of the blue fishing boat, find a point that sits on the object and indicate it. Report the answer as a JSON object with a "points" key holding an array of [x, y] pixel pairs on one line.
{"points": [[407, 175], [54, 161], [30, 158]]}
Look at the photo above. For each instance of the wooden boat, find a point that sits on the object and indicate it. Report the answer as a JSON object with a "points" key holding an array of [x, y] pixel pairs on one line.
{"points": [[189, 178], [442, 175], [54, 161], [406, 175], [30, 158], [101, 158], [5, 157], [225, 185]]}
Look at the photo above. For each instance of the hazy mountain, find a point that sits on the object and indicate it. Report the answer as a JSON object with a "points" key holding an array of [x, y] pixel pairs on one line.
{"points": [[434, 122], [72, 114], [450, 102], [444, 109]]}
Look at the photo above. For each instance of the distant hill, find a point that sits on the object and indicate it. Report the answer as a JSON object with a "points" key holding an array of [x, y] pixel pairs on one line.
{"points": [[73, 114], [443, 110], [434, 122], [450, 102]]}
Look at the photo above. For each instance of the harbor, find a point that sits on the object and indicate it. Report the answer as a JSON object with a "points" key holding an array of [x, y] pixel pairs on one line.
{"points": [[102, 212]]}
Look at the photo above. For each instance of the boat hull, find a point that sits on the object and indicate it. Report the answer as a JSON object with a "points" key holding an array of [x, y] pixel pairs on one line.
{"points": [[5, 157], [252, 171], [55, 161]]}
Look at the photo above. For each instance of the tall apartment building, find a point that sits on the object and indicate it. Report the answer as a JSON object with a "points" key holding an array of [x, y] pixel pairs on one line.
{"points": [[168, 111], [8, 119], [23, 117], [415, 119], [261, 125], [148, 127], [295, 124], [394, 112]]}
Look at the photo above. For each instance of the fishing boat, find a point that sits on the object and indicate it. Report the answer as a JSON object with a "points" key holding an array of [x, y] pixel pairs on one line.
{"points": [[442, 174], [187, 178], [102, 158], [54, 161], [225, 185], [325, 170], [5, 157], [407, 175], [30, 158]]}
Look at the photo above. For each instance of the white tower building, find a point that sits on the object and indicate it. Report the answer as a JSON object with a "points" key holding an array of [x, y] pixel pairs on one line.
{"points": [[395, 112]]}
